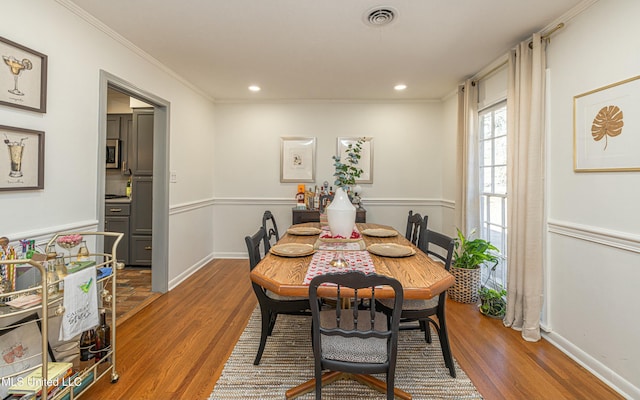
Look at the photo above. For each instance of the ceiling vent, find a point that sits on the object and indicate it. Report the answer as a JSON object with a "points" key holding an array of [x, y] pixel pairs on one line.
{"points": [[380, 16]]}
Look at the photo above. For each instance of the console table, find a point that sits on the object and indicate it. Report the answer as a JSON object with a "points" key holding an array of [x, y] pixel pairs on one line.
{"points": [[300, 216]]}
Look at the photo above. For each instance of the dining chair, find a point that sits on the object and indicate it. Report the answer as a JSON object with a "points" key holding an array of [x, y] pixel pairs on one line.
{"points": [[349, 339], [268, 218], [441, 247], [271, 304], [416, 225]]}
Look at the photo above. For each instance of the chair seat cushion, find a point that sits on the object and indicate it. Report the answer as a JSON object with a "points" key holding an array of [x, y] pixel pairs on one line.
{"points": [[354, 349], [412, 304], [276, 296]]}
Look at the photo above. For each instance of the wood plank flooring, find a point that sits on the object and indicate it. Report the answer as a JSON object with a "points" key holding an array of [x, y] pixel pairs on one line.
{"points": [[176, 347]]}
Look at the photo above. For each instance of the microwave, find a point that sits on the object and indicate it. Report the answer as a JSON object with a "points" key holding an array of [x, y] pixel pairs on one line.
{"points": [[113, 153]]}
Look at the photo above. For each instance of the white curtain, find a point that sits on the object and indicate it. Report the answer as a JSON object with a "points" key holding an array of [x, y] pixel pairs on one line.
{"points": [[525, 190], [468, 190]]}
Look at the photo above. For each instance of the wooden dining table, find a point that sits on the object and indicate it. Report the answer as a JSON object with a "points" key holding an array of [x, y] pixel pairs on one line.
{"points": [[421, 278]]}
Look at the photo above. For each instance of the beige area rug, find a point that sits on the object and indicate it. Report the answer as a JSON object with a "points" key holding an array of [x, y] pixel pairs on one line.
{"points": [[288, 361]]}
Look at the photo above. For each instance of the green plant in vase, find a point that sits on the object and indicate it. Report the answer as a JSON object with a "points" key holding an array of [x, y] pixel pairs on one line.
{"points": [[348, 171]]}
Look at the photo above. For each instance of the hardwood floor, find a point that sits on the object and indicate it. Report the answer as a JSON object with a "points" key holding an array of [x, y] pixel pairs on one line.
{"points": [[176, 347]]}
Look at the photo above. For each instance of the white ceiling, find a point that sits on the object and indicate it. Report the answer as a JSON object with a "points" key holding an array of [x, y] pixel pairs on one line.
{"points": [[322, 49]]}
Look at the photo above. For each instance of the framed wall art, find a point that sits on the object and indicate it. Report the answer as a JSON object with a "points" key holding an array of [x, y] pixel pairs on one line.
{"points": [[366, 156], [297, 159], [21, 347], [606, 129], [22, 160], [23, 80]]}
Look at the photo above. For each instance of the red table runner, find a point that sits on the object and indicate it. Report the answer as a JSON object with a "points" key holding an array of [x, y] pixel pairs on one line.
{"points": [[320, 263]]}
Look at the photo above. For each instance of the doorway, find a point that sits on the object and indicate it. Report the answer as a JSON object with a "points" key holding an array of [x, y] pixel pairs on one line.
{"points": [[160, 190]]}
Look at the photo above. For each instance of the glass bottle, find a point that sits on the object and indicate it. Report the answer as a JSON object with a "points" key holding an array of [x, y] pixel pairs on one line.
{"points": [[61, 270], [103, 336], [87, 343], [51, 277], [83, 252]]}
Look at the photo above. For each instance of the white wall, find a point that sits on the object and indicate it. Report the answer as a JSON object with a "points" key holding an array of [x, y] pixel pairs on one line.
{"points": [[77, 51], [449, 136], [408, 167], [594, 240]]}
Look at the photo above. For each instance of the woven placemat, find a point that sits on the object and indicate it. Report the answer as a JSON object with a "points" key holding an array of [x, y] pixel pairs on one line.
{"points": [[288, 361]]}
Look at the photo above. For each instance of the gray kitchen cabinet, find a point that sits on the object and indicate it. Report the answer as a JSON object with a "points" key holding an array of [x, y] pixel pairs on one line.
{"points": [[117, 220], [113, 126], [141, 201], [141, 142], [141, 249], [141, 220], [119, 126]]}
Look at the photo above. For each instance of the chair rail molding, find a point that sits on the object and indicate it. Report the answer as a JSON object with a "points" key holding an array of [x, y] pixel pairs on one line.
{"points": [[606, 237], [392, 202], [42, 236], [190, 206]]}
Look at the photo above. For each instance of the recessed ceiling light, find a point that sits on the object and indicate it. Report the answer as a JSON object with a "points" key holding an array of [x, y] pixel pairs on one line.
{"points": [[400, 87], [254, 88]]}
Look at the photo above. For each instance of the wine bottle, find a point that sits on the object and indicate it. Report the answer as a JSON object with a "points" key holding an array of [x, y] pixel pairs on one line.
{"points": [[87, 343], [103, 336]]}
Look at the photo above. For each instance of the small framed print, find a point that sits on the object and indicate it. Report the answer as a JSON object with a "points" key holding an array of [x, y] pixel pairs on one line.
{"points": [[23, 79], [366, 156], [22, 163], [297, 159]]}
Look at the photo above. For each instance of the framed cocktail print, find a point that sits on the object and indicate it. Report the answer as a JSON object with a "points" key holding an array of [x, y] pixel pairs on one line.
{"points": [[366, 155], [297, 159], [23, 79], [21, 348], [22, 160], [606, 128]]}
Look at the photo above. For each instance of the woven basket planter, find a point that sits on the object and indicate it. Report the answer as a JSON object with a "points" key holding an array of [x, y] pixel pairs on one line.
{"points": [[465, 290]]}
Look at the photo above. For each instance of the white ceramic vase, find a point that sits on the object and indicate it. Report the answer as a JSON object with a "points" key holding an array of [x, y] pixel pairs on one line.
{"points": [[341, 214]]}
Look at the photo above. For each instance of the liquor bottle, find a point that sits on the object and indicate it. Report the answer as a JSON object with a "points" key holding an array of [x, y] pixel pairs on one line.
{"points": [[103, 336], [316, 199], [61, 271], [51, 273], [128, 188], [87, 343], [52, 289]]}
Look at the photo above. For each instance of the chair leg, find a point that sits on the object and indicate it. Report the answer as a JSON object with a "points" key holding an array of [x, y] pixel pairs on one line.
{"points": [[272, 322], [424, 325], [264, 332], [318, 376], [444, 344], [390, 385]]}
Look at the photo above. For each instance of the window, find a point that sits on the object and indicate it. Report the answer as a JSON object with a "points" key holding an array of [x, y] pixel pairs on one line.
{"points": [[493, 183]]}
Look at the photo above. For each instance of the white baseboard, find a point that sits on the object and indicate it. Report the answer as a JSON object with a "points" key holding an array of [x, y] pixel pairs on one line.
{"points": [[609, 377], [190, 271]]}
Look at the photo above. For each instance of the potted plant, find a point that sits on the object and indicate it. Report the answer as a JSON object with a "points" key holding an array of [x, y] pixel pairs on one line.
{"points": [[341, 214], [492, 302], [346, 173], [468, 257]]}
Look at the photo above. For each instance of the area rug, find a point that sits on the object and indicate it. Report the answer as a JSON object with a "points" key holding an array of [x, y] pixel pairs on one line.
{"points": [[288, 361]]}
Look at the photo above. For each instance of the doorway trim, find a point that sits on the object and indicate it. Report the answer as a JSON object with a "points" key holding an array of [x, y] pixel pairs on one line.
{"points": [[160, 202]]}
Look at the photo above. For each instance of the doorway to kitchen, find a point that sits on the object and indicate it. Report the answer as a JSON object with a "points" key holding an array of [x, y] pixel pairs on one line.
{"points": [[138, 187]]}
